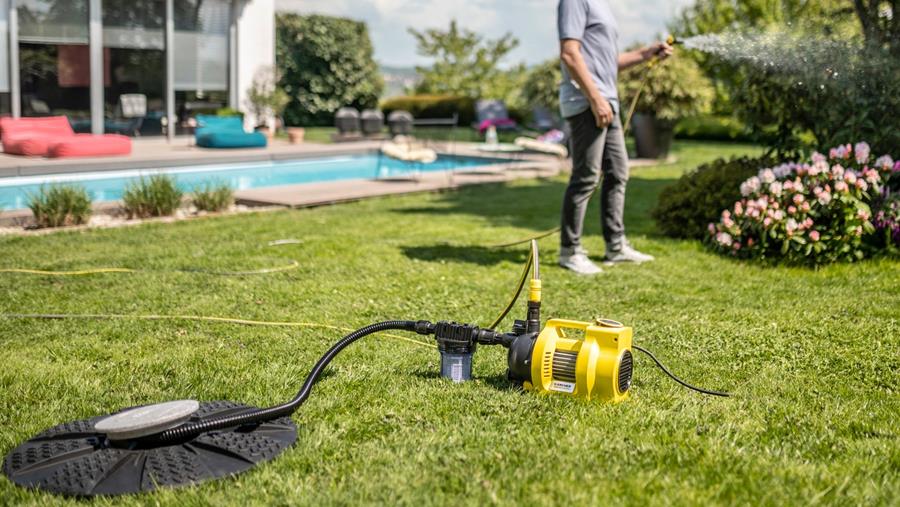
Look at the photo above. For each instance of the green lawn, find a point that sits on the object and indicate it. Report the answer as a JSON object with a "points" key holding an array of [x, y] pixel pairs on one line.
{"points": [[812, 357]]}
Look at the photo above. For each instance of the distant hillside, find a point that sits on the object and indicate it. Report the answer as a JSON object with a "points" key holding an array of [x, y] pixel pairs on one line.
{"points": [[397, 80]]}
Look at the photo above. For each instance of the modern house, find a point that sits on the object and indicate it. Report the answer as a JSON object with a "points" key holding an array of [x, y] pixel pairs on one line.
{"points": [[138, 67]]}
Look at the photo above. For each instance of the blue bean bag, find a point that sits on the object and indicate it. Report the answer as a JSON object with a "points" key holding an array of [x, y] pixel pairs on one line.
{"points": [[226, 132]]}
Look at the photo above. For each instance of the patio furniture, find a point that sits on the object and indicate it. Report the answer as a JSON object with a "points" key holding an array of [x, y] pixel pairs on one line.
{"points": [[543, 120], [129, 115], [372, 122], [346, 120], [400, 123], [493, 113], [52, 136], [226, 132]]}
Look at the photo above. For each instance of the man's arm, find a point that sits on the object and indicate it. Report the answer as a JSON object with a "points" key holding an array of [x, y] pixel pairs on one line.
{"points": [[570, 54], [632, 58]]}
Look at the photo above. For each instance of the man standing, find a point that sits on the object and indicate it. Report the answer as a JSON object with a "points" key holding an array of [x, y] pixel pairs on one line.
{"points": [[588, 37]]}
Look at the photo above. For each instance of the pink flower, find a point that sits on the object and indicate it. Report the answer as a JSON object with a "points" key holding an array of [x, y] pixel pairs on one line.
{"points": [[862, 215], [884, 162], [775, 188], [858, 231], [792, 210], [814, 236], [804, 207], [727, 222], [862, 185], [737, 245], [850, 177], [818, 157], [807, 223], [724, 239], [767, 221], [738, 208], [711, 228], [791, 226], [767, 176], [798, 198], [788, 185], [779, 215], [862, 152], [837, 171], [824, 198], [840, 186]]}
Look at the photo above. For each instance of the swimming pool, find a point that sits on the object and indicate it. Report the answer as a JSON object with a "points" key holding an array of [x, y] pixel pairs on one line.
{"points": [[109, 185]]}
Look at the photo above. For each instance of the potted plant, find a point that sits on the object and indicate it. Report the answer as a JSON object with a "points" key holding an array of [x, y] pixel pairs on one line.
{"points": [[266, 100], [672, 89], [296, 134]]}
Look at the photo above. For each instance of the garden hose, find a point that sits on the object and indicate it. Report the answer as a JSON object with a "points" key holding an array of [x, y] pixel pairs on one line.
{"points": [[293, 265], [202, 318], [191, 430]]}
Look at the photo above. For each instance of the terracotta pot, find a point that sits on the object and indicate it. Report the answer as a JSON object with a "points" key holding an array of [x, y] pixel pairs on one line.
{"points": [[266, 131], [295, 134]]}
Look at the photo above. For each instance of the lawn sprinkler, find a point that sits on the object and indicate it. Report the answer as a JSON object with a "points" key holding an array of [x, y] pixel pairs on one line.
{"points": [[179, 443]]}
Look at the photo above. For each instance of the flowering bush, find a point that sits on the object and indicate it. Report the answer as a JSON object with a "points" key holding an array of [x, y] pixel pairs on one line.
{"points": [[807, 213]]}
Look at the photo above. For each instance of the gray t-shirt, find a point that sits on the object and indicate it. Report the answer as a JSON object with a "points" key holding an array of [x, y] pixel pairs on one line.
{"points": [[592, 23]]}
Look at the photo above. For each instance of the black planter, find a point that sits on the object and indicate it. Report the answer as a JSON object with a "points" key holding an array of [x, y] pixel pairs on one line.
{"points": [[652, 136]]}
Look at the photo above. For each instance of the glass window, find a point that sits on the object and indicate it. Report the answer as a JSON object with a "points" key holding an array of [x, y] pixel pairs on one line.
{"points": [[201, 56], [134, 56], [53, 21], [4, 51], [54, 59]]}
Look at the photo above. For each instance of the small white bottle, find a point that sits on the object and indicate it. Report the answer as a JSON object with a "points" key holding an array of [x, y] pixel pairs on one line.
{"points": [[490, 137]]}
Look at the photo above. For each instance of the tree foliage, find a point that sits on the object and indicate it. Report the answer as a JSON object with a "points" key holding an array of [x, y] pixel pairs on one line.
{"points": [[542, 85], [670, 90], [325, 63], [467, 64]]}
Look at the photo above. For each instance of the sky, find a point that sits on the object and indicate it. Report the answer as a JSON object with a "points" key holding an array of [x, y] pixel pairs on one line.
{"points": [[533, 22]]}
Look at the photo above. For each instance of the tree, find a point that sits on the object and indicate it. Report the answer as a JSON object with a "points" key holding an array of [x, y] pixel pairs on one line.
{"points": [[467, 64], [542, 85], [325, 63]]}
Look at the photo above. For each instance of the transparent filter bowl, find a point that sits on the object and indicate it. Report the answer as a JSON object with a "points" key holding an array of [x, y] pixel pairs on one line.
{"points": [[456, 367]]}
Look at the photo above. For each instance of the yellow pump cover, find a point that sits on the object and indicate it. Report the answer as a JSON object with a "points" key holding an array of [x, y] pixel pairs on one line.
{"points": [[600, 347]]}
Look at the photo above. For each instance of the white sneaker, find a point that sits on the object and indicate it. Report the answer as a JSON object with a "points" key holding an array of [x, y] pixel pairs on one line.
{"points": [[625, 254], [576, 259]]}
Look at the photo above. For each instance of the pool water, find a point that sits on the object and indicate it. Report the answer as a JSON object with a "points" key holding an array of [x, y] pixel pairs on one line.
{"points": [[109, 185]]}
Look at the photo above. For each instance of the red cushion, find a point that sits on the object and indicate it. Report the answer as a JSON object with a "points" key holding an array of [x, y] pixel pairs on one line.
{"points": [[33, 136], [87, 145]]}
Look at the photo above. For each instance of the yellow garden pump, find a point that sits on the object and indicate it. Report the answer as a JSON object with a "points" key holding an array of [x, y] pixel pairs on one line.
{"points": [[178, 443], [590, 360]]}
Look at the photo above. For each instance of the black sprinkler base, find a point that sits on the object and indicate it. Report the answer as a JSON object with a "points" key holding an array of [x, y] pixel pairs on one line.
{"points": [[72, 459]]}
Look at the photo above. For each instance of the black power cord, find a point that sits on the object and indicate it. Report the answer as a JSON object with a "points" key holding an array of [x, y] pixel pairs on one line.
{"points": [[676, 379]]}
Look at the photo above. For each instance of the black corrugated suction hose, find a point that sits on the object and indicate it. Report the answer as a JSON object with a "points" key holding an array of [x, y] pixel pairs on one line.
{"points": [[188, 431]]}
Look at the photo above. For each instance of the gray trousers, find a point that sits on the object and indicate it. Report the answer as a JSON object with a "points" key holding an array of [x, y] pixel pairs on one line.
{"points": [[596, 151]]}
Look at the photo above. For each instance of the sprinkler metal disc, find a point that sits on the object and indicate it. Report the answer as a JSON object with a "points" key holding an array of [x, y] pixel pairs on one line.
{"points": [[75, 459]]}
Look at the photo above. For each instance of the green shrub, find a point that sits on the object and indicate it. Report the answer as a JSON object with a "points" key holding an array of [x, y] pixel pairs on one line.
{"points": [[154, 197], [686, 207], [60, 205], [213, 197], [670, 90], [809, 213], [229, 111], [324, 63], [433, 106], [708, 127]]}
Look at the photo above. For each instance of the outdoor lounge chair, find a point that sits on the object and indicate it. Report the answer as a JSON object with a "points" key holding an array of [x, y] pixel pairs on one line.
{"points": [[543, 120], [226, 132], [493, 113], [347, 122], [52, 136]]}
